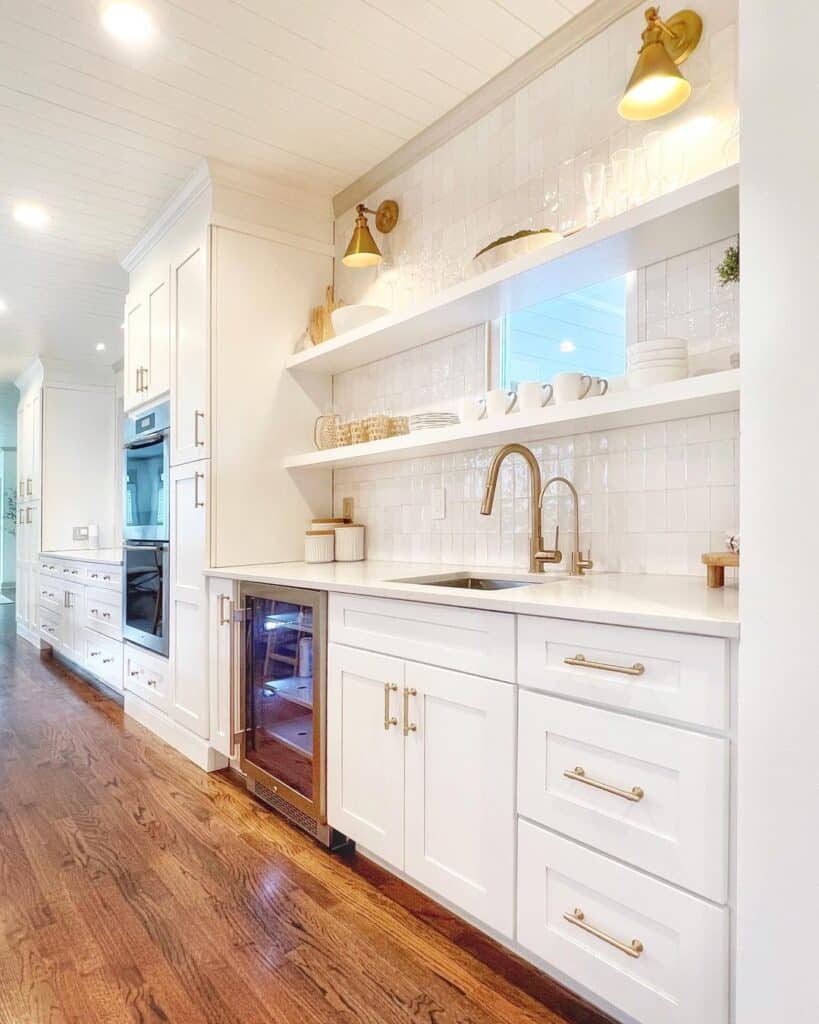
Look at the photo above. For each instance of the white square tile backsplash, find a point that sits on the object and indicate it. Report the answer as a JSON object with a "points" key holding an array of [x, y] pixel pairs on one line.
{"points": [[653, 498]]}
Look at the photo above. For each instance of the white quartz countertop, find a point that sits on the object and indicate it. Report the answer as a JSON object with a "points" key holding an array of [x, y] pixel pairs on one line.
{"points": [[102, 556], [683, 604]]}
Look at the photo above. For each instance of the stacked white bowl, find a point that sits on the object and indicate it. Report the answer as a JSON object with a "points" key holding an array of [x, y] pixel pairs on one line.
{"points": [[657, 362]]}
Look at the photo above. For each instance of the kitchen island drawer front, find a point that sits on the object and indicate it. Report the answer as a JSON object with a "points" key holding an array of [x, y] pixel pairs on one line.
{"points": [[105, 576], [653, 795], [103, 609], [147, 676], [671, 675], [50, 627], [52, 595], [657, 953], [102, 656], [469, 640]]}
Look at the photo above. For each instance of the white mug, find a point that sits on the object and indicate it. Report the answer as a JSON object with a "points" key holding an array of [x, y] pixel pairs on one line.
{"points": [[471, 409], [569, 387], [532, 395], [499, 402], [599, 386]]}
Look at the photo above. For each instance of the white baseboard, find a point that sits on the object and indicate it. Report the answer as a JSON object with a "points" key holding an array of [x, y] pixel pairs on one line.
{"points": [[175, 735], [31, 635]]}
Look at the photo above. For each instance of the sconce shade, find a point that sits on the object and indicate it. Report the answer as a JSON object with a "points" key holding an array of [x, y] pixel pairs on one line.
{"points": [[657, 86], [362, 250]]}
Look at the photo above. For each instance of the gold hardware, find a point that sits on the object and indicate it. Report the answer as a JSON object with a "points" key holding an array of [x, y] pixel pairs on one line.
{"points": [[28, 517], [635, 794], [196, 478], [196, 417], [535, 539], [389, 719], [579, 563], [409, 691], [578, 918], [362, 250], [224, 620], [29, 490], [554, 556], [657, 86], [582, 661]]}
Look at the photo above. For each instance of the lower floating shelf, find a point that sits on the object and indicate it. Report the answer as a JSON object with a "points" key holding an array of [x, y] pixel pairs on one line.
{"points": [[696, 396]]}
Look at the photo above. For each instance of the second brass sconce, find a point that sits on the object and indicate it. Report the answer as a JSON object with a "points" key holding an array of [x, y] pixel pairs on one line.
{"points": [[657, 86]]}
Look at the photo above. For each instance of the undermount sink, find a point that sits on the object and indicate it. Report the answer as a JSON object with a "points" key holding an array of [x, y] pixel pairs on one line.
{"points": [[467, 582]]}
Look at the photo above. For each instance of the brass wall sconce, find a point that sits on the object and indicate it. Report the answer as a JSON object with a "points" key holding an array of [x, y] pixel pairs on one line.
{"points": [[657, 86], [362, 250]]}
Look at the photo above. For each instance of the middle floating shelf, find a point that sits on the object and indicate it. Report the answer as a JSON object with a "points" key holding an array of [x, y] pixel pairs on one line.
{"points": [[696, 396], [677, 222]]}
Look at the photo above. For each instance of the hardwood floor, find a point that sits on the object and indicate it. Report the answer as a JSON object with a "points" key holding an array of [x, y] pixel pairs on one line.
{"points": [[134, 887]]}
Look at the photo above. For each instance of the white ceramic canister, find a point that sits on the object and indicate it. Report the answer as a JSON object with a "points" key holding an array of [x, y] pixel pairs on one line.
{"points": [[319, 546], [350, 543]]}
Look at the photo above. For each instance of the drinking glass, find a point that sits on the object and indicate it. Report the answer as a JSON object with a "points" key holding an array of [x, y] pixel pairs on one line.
{"points": [[622, 167], [674, 161], [640, 186], [594, 180], [653, 149]]}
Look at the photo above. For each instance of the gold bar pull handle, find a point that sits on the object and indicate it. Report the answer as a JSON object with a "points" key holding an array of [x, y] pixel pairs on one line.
{"points": [[578, 918], [581, 661], [635, 794], [409, 691], [388, 718]]}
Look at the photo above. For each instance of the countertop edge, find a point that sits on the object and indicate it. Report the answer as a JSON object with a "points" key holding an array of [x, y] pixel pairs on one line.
{"points": [[96, 557], [695, 624]]}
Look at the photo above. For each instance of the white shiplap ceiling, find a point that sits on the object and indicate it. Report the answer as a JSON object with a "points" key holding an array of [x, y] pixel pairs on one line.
{"points": [[313, 93]]}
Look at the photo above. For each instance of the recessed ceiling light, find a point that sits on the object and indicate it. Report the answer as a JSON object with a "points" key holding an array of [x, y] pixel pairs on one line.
{"points": [[100, 346], [128, 23], [567, 346], [30, 215]]}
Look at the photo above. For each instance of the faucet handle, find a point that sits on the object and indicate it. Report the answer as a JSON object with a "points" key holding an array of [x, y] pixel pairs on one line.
{"points": [[553, 556], [583, 564]]}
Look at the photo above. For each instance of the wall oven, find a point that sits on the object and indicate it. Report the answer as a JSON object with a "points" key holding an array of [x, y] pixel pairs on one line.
{"points": [[146, 471], [282, 702], [145, 596], [146, 529]]}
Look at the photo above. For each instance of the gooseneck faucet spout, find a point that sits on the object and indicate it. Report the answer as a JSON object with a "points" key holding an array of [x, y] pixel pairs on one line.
{"points": [[579, 563], [535, 538]]}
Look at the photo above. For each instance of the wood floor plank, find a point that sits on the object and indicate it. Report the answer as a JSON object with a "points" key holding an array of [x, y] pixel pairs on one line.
{"points": [[137, 889]]}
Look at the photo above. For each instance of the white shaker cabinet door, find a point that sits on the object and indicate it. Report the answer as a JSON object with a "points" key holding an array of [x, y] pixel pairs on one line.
{"points": [[190, 356], [190, 703], [460, 790], [157, 381], [365, 750], [136, 351], [221, 603]]}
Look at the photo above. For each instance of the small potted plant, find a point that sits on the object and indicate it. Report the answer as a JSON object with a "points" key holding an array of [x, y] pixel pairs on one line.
{"points": [[728, 269]]}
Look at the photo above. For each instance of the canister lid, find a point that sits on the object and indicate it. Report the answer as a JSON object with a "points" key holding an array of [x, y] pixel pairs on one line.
{"points": [[319, 533], [350, 526], [329, 519]]}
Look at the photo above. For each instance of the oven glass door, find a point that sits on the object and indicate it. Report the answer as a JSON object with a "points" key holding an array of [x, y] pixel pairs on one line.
{"points": [[146, 596], [145, 500]]}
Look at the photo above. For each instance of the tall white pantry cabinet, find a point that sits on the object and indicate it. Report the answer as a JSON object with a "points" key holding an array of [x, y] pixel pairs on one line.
{"points": [[218, 298]]}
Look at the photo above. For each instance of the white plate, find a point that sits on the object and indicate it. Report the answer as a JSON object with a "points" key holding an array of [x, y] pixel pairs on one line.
{"points": [[660, 375]]}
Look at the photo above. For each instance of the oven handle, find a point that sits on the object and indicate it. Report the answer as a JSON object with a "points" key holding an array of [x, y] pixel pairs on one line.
{"points": [[144, 547], [145, 440]]}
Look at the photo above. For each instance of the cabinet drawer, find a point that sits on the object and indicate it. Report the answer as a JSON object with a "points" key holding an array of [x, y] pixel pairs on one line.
{"points": [[70, 571], [469, 640], [50, 567], [672, 675], [670, 812], [681, 973], [104, 576], [50, 627], [102, 656], [146, 675], [51, 594], [103, 609]]}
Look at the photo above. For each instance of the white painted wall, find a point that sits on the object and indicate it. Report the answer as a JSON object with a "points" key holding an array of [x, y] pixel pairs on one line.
{"points": [[778, 816]]}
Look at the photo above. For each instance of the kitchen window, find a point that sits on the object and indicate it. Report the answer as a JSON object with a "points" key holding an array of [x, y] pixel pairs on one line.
{"points": [[584, 331]]}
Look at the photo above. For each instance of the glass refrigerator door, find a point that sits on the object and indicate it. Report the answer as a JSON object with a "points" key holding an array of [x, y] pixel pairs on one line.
{"points": [[281, 727]]}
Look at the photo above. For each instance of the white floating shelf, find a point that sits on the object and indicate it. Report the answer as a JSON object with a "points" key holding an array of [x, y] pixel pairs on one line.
{"points": [[696, 396], [695, 215]]}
